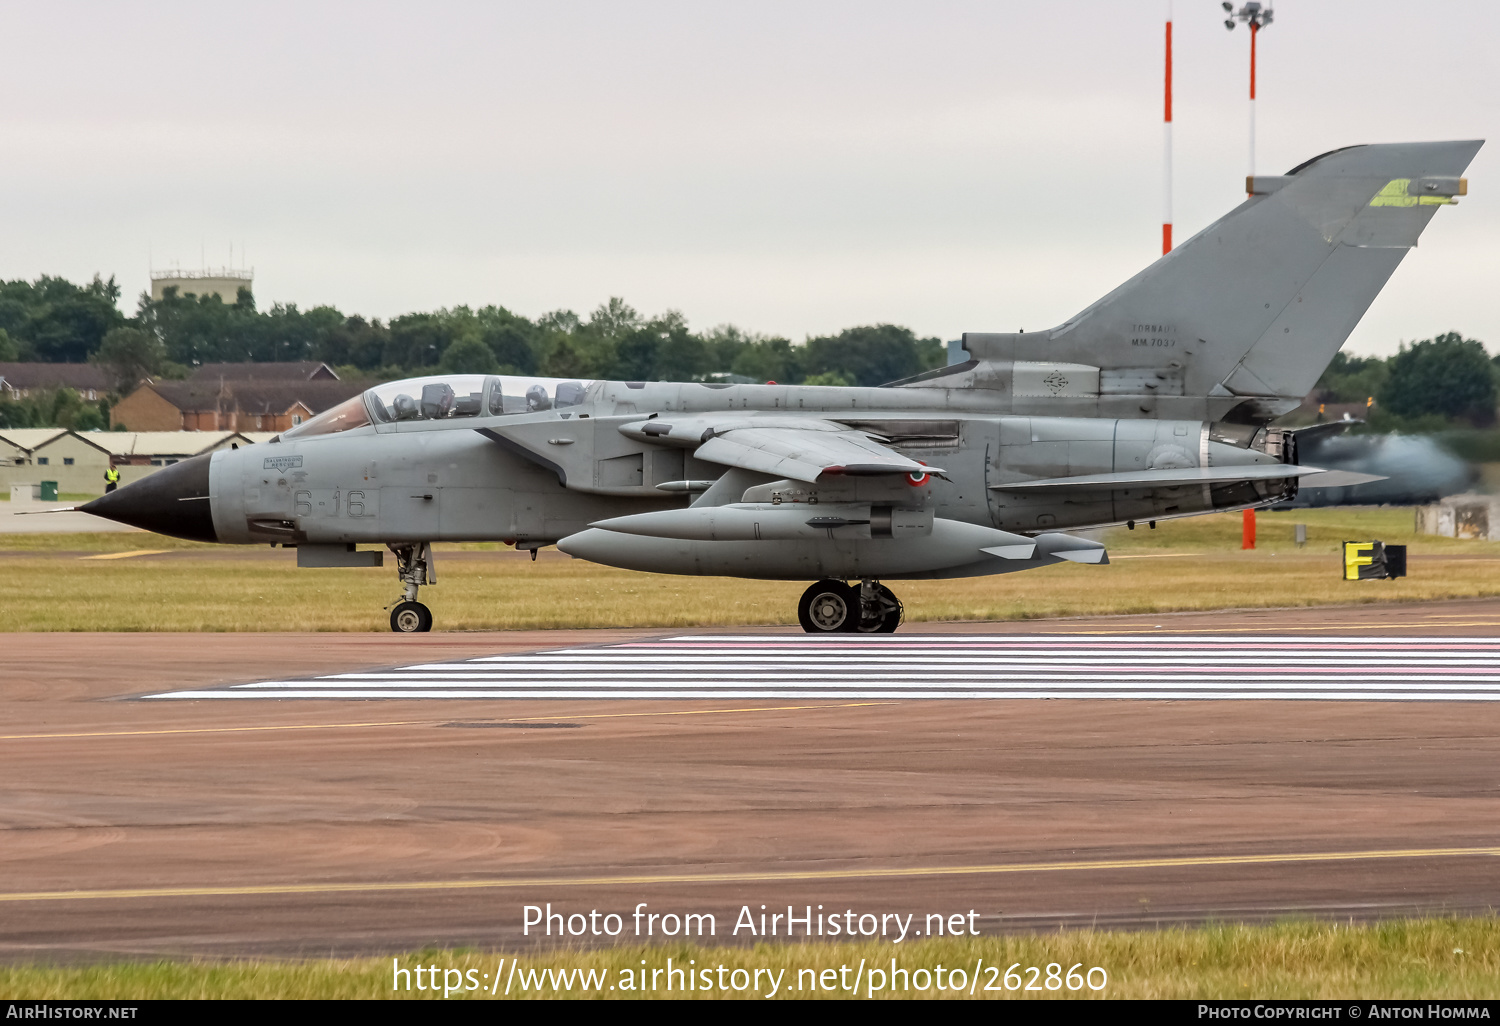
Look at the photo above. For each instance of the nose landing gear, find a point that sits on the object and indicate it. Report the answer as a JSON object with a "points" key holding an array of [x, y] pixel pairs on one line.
{"points": [[411, 618], [833, 607], [414, 567]]}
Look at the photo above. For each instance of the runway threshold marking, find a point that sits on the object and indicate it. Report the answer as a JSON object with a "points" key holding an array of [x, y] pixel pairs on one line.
{"points": [[854, 668], [127, 555], [641, 880], [445, 719]]}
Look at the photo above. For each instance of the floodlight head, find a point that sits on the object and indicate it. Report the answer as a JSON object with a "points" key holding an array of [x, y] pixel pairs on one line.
{"points": [[1228, 6], [1266, 18], [1229, 24]]}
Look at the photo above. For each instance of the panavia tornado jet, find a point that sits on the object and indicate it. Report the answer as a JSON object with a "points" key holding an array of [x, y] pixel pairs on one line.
{"points": [[1154, 402]]}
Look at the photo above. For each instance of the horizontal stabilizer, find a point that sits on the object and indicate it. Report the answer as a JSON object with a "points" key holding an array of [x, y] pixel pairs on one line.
{"points": [[1342, 479], [1317, 432], [1165, 478]]}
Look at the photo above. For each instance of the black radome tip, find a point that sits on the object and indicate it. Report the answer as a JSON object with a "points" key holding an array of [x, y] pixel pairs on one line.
{"points": [[173, 501]]}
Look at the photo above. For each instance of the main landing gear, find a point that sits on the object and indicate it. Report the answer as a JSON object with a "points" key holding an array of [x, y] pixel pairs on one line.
{"points": [[833, 607], [414, 567]]}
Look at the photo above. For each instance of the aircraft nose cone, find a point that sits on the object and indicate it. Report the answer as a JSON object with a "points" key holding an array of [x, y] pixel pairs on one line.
{"points": [[172, 501]]}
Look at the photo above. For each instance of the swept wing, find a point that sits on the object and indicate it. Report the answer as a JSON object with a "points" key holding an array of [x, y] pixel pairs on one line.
{"points": [[800, 448]]}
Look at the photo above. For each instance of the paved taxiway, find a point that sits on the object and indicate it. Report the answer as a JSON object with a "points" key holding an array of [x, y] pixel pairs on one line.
{"points": [[24, 516], [325, 825]]}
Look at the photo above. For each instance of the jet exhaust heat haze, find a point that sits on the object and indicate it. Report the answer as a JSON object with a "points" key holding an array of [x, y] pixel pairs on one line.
{"points": [[1411, 470], [1154, 402]]}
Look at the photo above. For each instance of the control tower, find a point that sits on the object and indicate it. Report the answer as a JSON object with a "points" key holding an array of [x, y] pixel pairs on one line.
{"points": [[224, 282]]}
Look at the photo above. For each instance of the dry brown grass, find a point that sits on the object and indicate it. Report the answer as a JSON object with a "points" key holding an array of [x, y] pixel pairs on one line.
{"points": [[1184, 565]]}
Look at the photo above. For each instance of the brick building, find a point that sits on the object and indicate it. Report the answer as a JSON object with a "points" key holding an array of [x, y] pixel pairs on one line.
{"points": [[305, 370], [253, 405], [18, 380]]}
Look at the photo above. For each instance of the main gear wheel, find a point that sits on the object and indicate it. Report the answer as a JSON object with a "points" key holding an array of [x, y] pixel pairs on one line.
{"points": [[829, 607]]}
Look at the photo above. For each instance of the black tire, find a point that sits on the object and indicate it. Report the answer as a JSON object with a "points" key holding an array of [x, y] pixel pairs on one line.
{"points": [[829, 607], [888, 619], [411, 618]]}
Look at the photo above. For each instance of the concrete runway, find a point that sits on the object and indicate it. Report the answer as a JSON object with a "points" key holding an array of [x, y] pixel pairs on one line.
{"points": [[325, 825], [22, 517]]}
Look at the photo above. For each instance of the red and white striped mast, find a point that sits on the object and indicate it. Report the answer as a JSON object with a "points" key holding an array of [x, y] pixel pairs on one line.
{"points": [[1166, 207], [1257, 16]]}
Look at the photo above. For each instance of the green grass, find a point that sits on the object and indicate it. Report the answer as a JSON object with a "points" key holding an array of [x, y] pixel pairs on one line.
{"points": [[1190, 564], [1422, 958]]}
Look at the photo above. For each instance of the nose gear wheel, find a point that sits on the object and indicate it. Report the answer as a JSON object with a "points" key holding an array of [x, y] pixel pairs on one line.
{"points": [[411, 618], [415, 568]]}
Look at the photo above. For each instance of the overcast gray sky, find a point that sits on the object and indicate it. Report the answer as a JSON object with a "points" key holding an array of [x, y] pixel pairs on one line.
{"points": [[792, 168]]}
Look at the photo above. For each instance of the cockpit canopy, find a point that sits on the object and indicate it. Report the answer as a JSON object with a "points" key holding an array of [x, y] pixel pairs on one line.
{"points": [[444, 397]]}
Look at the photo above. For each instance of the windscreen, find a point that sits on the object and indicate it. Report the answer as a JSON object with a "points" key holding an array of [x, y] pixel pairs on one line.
{"points": [[350, 413]]}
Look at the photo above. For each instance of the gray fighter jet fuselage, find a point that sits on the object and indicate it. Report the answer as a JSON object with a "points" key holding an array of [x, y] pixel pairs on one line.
{"points": [[1153, 403]]}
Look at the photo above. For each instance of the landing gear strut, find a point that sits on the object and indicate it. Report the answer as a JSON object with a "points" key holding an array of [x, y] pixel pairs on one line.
{"points": [[414, 567], [833, 607], [879, 609]]}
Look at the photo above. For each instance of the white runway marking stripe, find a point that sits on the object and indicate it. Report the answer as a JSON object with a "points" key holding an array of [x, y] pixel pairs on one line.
{"points": [[360, 693], [564, 659], [1175, 676], [936, 667]]}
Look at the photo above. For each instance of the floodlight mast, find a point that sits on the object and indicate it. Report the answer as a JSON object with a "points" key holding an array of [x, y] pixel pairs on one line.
{"points": [[1257, 16]]}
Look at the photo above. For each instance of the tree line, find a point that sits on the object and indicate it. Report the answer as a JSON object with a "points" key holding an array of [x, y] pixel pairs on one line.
{"points": [[54, 320], [1438, 383]]}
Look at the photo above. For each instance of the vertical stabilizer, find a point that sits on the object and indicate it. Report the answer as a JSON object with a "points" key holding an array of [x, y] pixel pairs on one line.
{"points": [[1257, 304]]}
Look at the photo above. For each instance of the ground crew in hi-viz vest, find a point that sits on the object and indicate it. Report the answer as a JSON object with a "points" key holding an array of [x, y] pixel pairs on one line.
{"points": [[111, 479]]}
